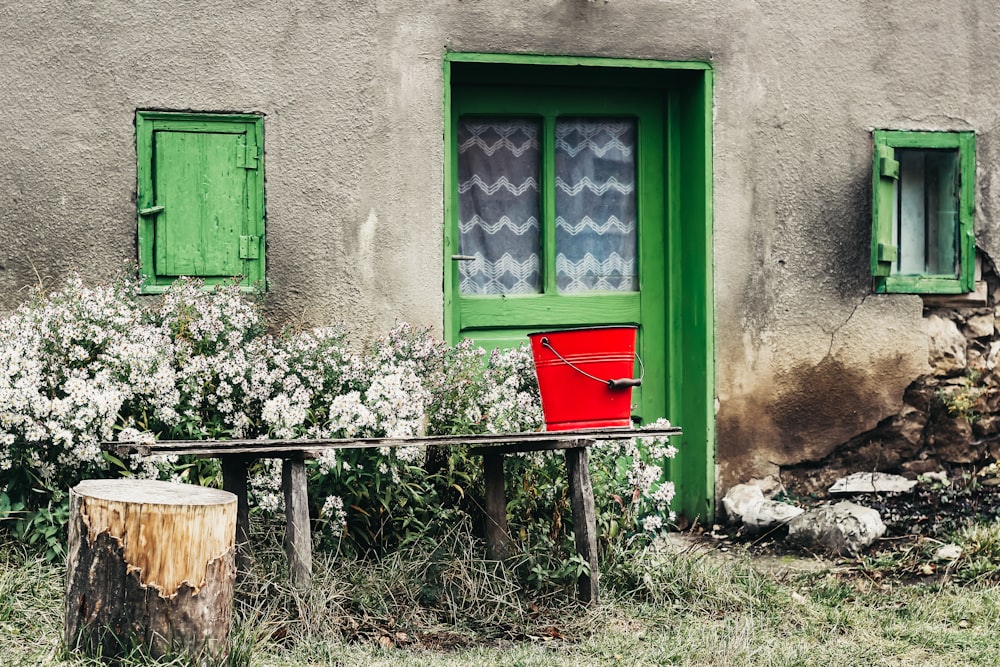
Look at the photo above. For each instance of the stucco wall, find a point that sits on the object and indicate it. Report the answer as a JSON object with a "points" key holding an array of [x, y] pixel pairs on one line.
{"points": [[353, 102]]}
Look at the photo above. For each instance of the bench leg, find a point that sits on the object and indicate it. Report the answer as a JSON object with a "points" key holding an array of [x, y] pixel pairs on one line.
{"points": [[234, 480], [497, 534], [298, 539], [581, 495]]}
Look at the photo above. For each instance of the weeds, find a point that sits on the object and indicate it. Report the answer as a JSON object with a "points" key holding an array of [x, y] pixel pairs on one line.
{"points": [[671, 608]]}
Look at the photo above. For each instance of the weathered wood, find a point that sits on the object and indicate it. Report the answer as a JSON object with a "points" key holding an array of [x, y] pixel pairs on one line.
{"points": [[535, 446], [296, 447], [236, 454], [234, 480], [581, 494], [298, 540], [497, 533], [151, 566]]}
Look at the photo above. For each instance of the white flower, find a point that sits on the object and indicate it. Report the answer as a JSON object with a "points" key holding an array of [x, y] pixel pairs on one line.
{"points": [[333, 509], [652, 523]]}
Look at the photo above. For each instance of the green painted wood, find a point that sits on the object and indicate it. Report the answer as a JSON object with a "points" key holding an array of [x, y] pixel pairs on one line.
{"points": [[690, 296], [548, 310], [885, 169], [675, 267], [883, 195], [202, 189], [574, 61], [451, 278], [484, 317], [202, 171]]}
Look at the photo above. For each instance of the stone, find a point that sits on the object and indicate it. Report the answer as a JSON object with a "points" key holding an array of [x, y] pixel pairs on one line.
{"points": [[952, 441], [939, 476], [950, 552], [740, 499], [921, 466], [993, 355], [980, 326], [845, 528], [909, 424], [976, 361], [872, 482], [769, 486], [946, 346], [920, 396], [986, 426], [768, 514]]}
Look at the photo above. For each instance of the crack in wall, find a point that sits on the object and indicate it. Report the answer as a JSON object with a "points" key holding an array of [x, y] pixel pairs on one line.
{"points": [[850, 316]]}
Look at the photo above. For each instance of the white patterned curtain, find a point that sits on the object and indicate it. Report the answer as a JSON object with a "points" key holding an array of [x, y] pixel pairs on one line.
{"points": [[595, 205], [499, 205], [498, 202]]}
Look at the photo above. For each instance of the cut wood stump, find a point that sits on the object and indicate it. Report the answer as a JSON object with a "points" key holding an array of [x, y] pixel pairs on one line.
{"points": [[150, 566]]}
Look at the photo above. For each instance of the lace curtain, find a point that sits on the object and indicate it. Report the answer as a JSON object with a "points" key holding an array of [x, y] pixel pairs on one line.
{"points": [[499, 205]]}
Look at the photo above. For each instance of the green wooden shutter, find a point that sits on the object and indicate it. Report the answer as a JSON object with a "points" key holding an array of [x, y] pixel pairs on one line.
{"points": [[891, 257], [200, 197], [203, 193], [885, 173]]}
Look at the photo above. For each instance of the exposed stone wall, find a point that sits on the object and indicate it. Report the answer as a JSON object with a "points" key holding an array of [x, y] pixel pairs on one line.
{"points": [[949, 417]]}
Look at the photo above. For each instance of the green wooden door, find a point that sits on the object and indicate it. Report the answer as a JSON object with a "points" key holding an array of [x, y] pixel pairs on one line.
{"points": [[558, 218], [200, 197], [671, 106]]}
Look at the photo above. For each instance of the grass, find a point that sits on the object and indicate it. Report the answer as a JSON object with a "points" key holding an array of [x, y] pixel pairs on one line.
{"points": [[441, 604]]}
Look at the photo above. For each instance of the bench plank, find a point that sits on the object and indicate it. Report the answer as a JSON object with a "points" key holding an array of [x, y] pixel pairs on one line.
{"points": [[294, 447]]}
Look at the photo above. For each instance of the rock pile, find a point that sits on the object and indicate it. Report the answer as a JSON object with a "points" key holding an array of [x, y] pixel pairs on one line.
{"points": [[843, 528]]}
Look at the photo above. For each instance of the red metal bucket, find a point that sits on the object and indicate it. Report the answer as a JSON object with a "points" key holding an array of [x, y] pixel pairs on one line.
{"points": [[585, 376]]}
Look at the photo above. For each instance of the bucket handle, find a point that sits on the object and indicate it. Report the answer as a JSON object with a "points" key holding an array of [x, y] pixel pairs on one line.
{"points": [[620, 383]]}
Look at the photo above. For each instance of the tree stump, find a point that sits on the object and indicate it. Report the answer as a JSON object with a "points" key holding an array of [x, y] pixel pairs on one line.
{"points": [[151, 565]]}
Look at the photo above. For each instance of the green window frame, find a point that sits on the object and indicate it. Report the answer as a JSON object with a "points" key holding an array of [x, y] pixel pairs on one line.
{"points": [[923, 205], [199, 198]]}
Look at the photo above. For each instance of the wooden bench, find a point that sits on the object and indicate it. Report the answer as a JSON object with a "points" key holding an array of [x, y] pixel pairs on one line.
{"points": [[236, 455]]}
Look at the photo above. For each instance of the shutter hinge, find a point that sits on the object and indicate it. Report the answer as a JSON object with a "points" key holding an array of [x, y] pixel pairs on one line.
{"points": [[888, 165], [249, 247]]}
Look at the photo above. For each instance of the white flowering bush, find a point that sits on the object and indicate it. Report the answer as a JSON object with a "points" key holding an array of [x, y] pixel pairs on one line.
{"points": [[85, 364]]}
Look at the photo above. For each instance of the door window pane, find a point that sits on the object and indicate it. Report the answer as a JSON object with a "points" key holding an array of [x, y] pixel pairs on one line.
{"points": [[498, 201], [595, 205]]}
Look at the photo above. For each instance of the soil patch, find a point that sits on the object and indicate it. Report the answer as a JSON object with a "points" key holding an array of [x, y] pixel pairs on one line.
{"points": [[917, 523]]}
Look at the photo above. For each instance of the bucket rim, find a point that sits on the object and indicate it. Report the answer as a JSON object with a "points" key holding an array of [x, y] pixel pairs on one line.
{"points": [[591, 328]]}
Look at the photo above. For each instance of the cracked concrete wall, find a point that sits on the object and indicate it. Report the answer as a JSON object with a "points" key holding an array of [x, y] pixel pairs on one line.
{"points": [[352, 96]]}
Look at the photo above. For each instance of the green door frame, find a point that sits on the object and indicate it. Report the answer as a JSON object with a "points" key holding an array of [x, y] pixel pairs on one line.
{"points": [[689, 354]]}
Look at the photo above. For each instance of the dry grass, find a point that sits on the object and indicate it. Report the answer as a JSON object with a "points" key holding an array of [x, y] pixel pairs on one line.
{"points": [[441, 605]]}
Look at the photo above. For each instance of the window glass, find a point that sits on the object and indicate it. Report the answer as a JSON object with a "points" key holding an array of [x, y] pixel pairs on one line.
{"points": [[498, 198], [925, 216], [595, 204]]}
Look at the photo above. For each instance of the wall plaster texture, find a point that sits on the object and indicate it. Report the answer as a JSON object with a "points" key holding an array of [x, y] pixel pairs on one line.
{"points": [[352, 97]]}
